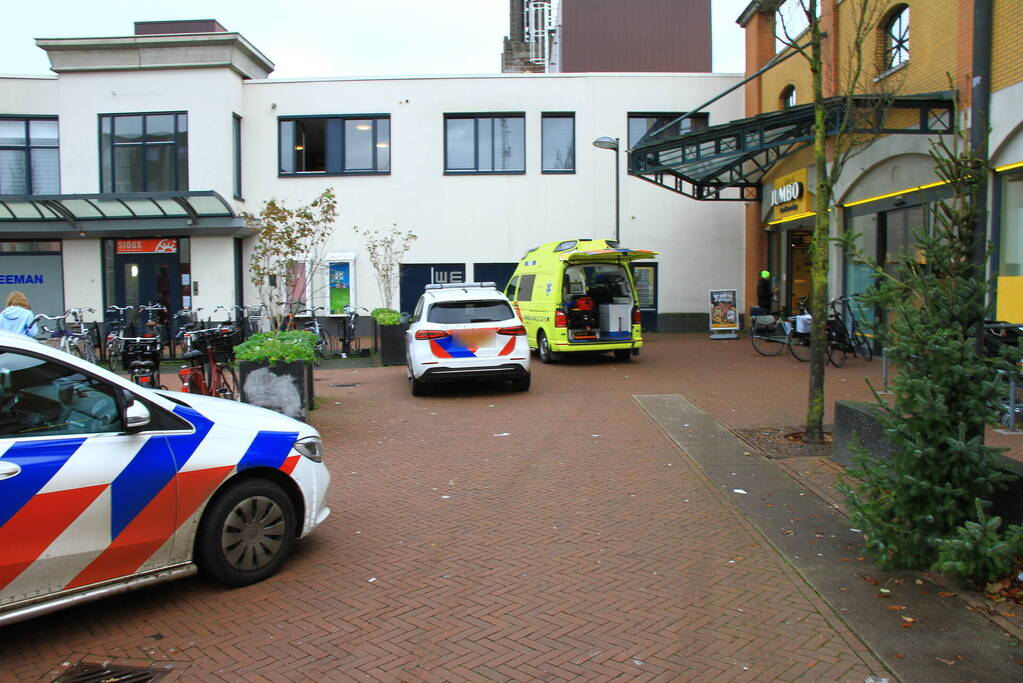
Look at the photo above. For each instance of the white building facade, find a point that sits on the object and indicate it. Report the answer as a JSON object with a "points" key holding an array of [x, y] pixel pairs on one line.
{"points": [[123, 178]]}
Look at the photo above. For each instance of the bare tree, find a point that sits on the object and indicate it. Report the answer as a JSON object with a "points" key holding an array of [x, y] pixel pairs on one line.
{"points": [[842, 126], [385, 253], [287, 265]]}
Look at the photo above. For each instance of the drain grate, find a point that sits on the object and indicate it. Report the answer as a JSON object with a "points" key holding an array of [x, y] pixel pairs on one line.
{"points": [[344, 386], [88, 672]]}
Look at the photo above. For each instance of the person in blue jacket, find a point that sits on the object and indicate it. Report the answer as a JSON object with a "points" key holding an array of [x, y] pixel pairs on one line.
{"points": [[17, 317]]}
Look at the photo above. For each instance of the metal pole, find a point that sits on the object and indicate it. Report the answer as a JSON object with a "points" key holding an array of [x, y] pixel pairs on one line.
{"points": [[618, 208]]}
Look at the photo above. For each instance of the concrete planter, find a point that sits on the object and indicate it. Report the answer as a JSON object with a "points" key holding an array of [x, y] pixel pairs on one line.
{"points": [[284, 387], [859, 422], [392, 344]]}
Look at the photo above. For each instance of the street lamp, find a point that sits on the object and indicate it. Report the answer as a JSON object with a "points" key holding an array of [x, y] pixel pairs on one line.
{"points": [[606, 142]]}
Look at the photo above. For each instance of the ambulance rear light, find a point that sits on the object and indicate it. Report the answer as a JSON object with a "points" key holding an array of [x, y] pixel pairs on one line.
{"points": [[636, 319], [559, 318], [424, 335]]}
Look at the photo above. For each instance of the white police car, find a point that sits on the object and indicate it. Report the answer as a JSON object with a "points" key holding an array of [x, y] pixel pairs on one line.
{"points": [[106, 486], [465, 331]]}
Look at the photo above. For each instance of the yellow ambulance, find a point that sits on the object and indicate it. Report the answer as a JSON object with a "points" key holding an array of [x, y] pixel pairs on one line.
{"points": [[578, 296]]}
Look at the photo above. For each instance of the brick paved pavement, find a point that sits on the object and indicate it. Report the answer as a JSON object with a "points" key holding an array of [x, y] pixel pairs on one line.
{"points": [[582, 545]]}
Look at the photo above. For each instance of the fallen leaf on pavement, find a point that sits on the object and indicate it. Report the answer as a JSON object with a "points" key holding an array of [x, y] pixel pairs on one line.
{"points": [[945, 594], [908, 620], [896, 608], [871, 580], [905, 625], [948, 662], [899, 655]]}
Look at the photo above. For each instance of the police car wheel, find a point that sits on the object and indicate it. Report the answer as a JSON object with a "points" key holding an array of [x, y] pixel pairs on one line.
{"points": [[419, 388], [246, 533]]}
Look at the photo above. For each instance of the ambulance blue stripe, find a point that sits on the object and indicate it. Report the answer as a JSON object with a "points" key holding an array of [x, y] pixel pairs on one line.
{"points": [[40, 460], [268, 449], [151, 469]]}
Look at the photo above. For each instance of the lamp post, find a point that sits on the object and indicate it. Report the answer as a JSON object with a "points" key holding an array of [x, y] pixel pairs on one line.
{"points": [[606, 142]]}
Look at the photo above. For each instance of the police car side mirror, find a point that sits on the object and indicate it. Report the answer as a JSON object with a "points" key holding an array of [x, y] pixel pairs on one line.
{"points": [[136, 414]]}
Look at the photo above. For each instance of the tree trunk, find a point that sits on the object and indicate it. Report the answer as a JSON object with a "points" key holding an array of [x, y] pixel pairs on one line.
{"points": [[818, 246]]}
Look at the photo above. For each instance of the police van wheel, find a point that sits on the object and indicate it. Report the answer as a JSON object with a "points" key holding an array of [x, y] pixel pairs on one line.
{"points": [[245, 533], [543, 348]]}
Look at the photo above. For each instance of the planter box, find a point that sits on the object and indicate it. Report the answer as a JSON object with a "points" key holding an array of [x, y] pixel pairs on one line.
{"points": [[859, 422], [392, 344], [284, 387]]}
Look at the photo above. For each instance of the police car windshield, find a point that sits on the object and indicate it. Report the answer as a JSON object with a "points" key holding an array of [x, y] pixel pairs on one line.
{"points": [[458, 312]]}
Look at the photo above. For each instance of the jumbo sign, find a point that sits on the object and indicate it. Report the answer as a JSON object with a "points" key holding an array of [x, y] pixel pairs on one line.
{"points": [[789, 196], [786, 193]]}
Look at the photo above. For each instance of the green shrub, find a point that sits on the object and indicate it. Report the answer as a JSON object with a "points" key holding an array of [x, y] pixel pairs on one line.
{"points": [[278, 347], [386, 316], [979, 553]]}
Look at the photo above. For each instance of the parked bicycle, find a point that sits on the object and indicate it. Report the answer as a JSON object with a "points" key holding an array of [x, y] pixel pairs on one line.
{"points": [[210, 370], [186, 321], [851, 338], [117, 328], [153, 317], [350, 344], [321, 350], [255, 320], [141, 357], [70, 333]]}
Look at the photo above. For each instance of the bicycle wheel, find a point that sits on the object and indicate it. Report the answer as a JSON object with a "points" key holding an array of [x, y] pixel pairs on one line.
{"points": [[799, 344], [227, 383], [862, 345], [836, 354], [768, 340], [320, 350], [113, 353]]}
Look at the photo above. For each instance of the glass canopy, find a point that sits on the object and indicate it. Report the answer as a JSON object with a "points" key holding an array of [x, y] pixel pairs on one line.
{"points": [[73, 208], [728, 162]]}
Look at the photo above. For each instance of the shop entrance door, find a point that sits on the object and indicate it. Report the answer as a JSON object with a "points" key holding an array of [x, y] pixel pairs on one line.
{"points": [[799, 269], [148, 278]]}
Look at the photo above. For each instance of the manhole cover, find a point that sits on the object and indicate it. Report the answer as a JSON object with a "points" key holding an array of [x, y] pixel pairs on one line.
{"points": [[355, 384], [87, 672]]}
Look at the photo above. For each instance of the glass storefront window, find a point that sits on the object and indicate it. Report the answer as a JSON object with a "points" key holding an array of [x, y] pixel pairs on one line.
{"points": [[858, 276], [1010, 248]]}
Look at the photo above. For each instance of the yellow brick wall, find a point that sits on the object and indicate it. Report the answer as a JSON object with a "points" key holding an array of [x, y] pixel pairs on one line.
{"points": [[935, 45], [1006, 55]]}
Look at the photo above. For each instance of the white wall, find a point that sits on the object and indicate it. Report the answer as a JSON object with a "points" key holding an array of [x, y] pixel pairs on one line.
{"points": [[83, 275], [468, 218], [213, 267], [208, 96], [496, 218]]}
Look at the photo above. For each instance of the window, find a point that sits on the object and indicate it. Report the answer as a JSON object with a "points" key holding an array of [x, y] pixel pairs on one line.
{"points": [[485, 144], [236, 139], [143, 152], [29, 156], [896, 38], [640, 124], [335, 145], [526, 288], [511, 291], [43, 398], [788, 97], [558, 146], [464, 312]]}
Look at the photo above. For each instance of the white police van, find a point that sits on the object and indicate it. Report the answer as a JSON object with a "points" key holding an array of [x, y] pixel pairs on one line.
{"points": [[107, 486]]}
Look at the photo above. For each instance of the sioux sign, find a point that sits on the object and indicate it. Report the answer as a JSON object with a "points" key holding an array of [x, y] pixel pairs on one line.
{"points": [[146, 246]]}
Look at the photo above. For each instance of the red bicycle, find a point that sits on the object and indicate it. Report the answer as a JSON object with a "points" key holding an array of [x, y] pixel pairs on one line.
{"points": [[210, 371]]}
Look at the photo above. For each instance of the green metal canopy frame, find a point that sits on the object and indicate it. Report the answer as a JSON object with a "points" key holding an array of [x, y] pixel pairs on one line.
{"points": [[728, 162]]}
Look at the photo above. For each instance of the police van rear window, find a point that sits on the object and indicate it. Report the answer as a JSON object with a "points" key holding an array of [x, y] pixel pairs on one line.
{"points": [[458, 312]]}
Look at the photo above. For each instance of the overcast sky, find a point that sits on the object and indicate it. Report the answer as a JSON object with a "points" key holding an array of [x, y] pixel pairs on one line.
{"points": [[318, 37]]}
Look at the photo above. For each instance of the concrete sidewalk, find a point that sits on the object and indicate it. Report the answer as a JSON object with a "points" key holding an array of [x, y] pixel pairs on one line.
{"points": [[908, 621]]}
